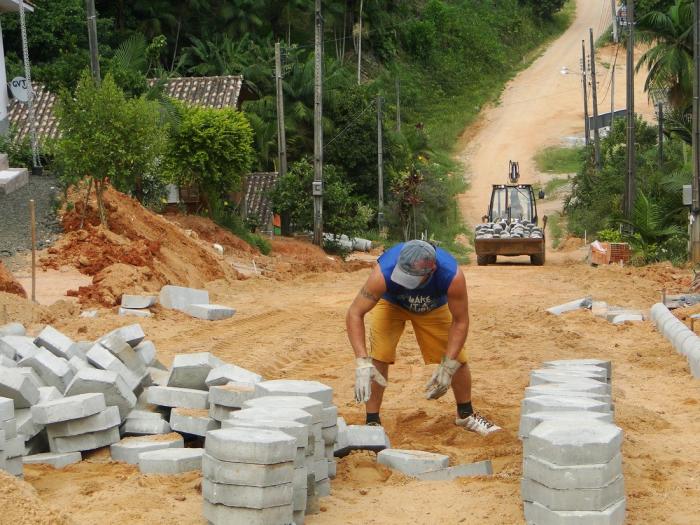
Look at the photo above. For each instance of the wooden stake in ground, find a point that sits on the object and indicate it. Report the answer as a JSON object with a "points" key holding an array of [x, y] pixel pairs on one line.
{"points": [[32, 219]]}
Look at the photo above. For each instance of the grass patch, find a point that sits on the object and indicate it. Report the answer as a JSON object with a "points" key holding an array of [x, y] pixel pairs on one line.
{"points": [[556, 159], [556, 230]]}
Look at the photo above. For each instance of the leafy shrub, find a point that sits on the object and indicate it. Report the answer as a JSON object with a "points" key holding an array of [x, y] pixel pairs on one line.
{"points": [[609, 235]]}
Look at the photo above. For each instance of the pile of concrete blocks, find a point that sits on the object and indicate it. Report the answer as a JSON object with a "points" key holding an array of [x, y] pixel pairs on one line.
{"points": [[614, 314], [572, 463], [503, 229], [193, 302], [137, 305], [11, 444], [683, 339], [429, 465]]}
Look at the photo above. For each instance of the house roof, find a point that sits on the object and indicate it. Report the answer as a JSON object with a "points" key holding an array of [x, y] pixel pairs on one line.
{"points": [[258, 188], [12, 6], [212, 92]]}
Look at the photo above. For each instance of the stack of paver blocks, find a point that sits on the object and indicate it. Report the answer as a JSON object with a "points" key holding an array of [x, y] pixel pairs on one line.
{"points": [[193, 302], [572, 465], [11, 444]]}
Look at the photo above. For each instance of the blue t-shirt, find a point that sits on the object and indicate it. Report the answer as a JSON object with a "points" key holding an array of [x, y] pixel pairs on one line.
{"points": [[427, 297]]}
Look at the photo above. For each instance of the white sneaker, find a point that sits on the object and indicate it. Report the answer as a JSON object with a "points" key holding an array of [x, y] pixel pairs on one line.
{"points": [[477, 423]]}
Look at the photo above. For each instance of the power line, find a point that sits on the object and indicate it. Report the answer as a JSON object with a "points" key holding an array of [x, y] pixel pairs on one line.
{"points": [[352, 122]]}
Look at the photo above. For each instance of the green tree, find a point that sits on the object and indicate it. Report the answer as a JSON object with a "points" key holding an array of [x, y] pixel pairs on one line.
{"points": [[545, 8]]}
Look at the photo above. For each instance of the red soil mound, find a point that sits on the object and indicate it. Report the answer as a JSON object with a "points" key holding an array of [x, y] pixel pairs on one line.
{"points": [[9, 284]]}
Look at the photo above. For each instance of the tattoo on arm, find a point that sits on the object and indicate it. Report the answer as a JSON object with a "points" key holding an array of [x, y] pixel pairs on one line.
{"points": [[368, 295]]}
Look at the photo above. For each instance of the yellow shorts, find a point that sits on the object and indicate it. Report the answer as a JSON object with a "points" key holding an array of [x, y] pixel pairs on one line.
{"points": [[387, 322]]}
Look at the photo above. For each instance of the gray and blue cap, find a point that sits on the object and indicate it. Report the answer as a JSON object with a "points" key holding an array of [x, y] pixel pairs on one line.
{"points": [[416, 260]]}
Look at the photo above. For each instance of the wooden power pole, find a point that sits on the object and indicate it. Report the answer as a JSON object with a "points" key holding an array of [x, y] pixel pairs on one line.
{"points": [[594, 87], [616, 36], [380, 164], [586, 124], [317, 188], [92, 37], [281, 134], [695, 210], [630, 180]]}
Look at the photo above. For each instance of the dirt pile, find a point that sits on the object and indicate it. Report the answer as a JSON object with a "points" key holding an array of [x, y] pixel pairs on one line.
{"points": [[9, 284], [22, 506]]}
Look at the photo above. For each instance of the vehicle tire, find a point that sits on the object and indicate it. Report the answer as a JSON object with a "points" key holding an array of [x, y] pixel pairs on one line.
{"points": [[484, 260], [537, 260]]}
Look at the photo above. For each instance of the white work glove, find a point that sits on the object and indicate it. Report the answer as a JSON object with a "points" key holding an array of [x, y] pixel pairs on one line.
{"points": [[365, 373], [442, 378]]}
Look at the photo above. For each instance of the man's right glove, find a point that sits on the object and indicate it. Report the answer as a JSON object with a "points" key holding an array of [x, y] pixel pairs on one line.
{"points": [[442, 378], [365, 373]]}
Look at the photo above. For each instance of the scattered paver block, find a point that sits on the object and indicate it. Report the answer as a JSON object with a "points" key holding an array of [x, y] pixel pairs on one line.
{"points": [[17, 346], [36, 445], [12, 179], [7, 408], [118, 346], [134, 312], [179, 297], [171, 460], [18, 387], [14, 466], [209, 312], [538, 513], [555, 403], [57, 461], [30, 373], [104, 420], [627, 318], [9, 427], [132, 334], [221, 514], [596, 499], [329, 416], [79, 349], [231, 395], [54, 371], [481, 468], [191, 370], [110, 384], [25, 424], [89, 441], [6, 362], [158, 376], [530, 421], [564, 443], [175, 397], [129, 449], [219, 413], [146, 351], [572, 476], [312, 406], [138, 301], [72, 407], [228, 373], [297, 430], [364, 437], [12, 329], [243, 445], [247, 497], [247, 474], [577, 304], [192, 421], [564, 363], [411, 462], [280, 413], [78, 363], [54, 341], [294, 387], [103, 359], [145, 427], [14, 447]]}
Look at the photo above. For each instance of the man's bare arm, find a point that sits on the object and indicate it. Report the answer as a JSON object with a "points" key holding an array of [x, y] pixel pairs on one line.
{"points": [[368, 297], [458, 303]]}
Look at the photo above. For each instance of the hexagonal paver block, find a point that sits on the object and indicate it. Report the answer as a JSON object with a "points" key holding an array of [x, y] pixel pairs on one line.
{"points": [[561, 403], [564, 443], [118, 346], [17, 346], [18, 387], [53, 370], [565, 390], [109, 383], [299, 431], [103, 420], [243, 445], [191, 370], [170, 396], [556, 376], [597, 373], [279, 413], [247, 474], [572, 476], [132, 334], [171, 460], [247, 497], [55, 460], [220, 514], [530, 421], [312, 406], [412, 462], [228, 373], [73, 407], [293, 387], [89, 441], [596, 499], [192, 421], [565, 363], [128, 449], [12, 329], [54, 341], [231, 395], [538, 513]]}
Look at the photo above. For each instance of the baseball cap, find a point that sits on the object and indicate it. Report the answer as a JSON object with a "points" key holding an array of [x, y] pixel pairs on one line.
{"points": [[416, 260]]}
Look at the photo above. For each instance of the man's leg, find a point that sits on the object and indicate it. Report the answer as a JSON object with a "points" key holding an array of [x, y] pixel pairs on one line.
{"points": [[375, 401], [462, 389]]}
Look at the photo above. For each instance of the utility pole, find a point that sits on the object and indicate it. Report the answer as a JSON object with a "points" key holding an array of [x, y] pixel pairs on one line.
{"points": [[281, 134], [398, 104], [630, 181], [92, 35], [318, 127], [616, 36], [612, 99], [661, 134], [359, 49], [694, 221], [594, 86], [587, 130], [380, 164]]}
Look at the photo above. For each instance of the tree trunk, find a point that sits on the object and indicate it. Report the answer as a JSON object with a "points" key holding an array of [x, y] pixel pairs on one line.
{"points": [[85, 204]]}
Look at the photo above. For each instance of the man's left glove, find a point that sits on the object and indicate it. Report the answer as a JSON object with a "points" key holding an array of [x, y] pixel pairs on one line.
{"points": [[442, 378], [364, 374]]}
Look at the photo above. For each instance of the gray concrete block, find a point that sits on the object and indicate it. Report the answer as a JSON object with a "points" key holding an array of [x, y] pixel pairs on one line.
{"points": [[138, 301], [228, 373], [481, 468], [30, 373], [9, 427], [54, 371], [179, 297], [145, 427], [209, 312], [129, 449], [18, 387], [589, 387], [89, 441], [281, 413], [247, 497], [116, 392], [243, 445], [12, 329], [223, 515], [320, 469], [171, 460], [565, 390], [596, 499], [293, 387], [146, 350], [328, 451], [577, 304], [558, 377], [104, 420], [57, 461], [297, 430], [192, 421], [132, 312], [299, 517], [560, 403], [6, 362], [329, 416], [312, 406], [411, 462], [219, 413], [319, 449], [118, 346], [626, 318], [25, 424], [132, 334], [541, 515], [15, 467], [231, 395], [363, 437], [158, 376], [12, 179], [299, 500], [572, 476], [530, 421], [7, 408], [591, 372], [247, 474], [14, 447], [49, 393], [72, 407], [330, 434], [103, 359], [564, 443], [169, 396], [341, 440], [17, 346], [323, 488], [77, 363], [191, 370], [54, 341], [79, 349]]}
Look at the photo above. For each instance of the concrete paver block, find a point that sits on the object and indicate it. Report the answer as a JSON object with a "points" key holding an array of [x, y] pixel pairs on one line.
{"points": [[170, 396], [589, 387], [538, 513], [577, 304], [565, 363], [138, 301], [18, 387], [299, 517], [25, 424], [72, 407], [179, 297], [191, 370], [110, 384], [118, 346], [14, 447], [294, 387], [557, 376], [12, 329], [228, 373], [364, 437], [626, 318], [17, 346], [104, 420], [247, 497], [330, 434], [132, 334], [244, 445], [133, 312], [15, 466], [145, 427], [78, 363], [158, 376], [564, 443], [89, 441], [565, 390], [297, 430], [54, 341], [57, 461], [9, 427], [411, 462], [146, 350], [223, 515], [320, 469], [192, 421], [596, 499], [54, 371], [49, 393], [12, 179], [530, 421], [247, 474], [282, 413], [481, 468], [103, 359], [6, 362], [590, 372], [30, 373], [219, 413], [129, 449], [329, 416], [7, 408], [573, 476], [553, 403], [171, 460], [312, 406], [231, 395], [209, 312]]}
